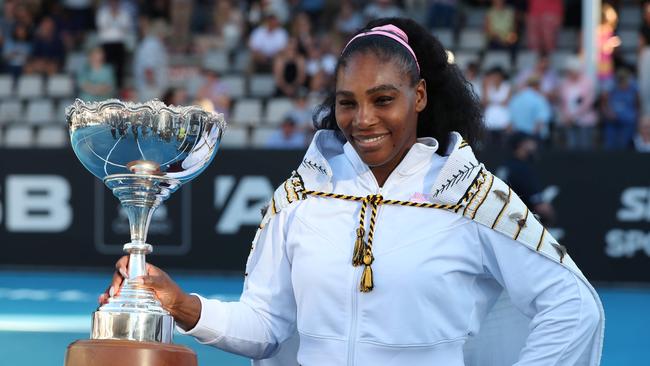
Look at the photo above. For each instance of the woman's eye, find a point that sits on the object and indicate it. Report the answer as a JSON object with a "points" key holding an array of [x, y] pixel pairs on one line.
{"points": [[346, 103], [384, 100]]}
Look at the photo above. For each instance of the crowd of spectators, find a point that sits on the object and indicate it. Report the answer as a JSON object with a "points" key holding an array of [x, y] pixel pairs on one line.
{"points": [[145, 49]]}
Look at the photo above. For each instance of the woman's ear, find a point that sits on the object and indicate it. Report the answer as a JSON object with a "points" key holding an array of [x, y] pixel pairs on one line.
{"points": [[420, 96]]}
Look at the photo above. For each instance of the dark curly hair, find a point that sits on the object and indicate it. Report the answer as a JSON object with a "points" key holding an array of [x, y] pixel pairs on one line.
{"points": [[451, 103]]}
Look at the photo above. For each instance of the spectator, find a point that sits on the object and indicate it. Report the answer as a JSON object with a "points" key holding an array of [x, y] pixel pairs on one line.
{"points": [[543, 23], [114, 27], [48, 51], [621, 111], [97, 80], [265, 42], [642, 139], [496, 96], [320, 60], [150, 63], [348, 20], [473, 75], [289, 70], [607, 43], [500, 26], [301, 30], [442, 13], [288, 136], [314, 9], [215, 91], [7, 20], [381, 9], [519, 173], [644, 60], [229, 24], [530, 112], [80, 14], [576, 113], [16, 50], [543, 71]]}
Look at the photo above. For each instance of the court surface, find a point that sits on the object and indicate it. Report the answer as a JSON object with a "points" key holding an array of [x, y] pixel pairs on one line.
{"points": [[42, 312]]}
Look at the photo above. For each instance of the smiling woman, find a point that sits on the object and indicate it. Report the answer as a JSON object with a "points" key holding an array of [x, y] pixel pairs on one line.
{"points": [[445, 264]]}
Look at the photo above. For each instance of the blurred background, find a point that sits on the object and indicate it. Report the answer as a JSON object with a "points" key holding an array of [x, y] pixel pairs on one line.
{"points": [[572, 137]]}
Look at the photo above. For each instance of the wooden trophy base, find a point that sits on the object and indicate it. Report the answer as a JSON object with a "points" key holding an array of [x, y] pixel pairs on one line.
{"points": [[109, 352]]}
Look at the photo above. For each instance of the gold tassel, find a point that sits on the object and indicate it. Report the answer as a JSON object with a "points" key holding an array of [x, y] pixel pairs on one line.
{"points": [[366, 280], [357, 256]]}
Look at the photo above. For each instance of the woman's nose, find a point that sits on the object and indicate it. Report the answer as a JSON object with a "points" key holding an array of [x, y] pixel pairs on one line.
{"points": [[364, 117]]}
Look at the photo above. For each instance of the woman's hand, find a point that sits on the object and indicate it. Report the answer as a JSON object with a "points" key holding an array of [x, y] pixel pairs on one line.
{"points": [[185, 308]]}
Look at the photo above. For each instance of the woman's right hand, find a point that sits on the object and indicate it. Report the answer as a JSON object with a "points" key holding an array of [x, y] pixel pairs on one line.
{"points": [[185, 308]]}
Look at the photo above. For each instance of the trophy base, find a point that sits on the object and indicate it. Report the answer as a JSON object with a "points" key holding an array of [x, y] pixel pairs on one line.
{"points": [[110, 352], [136, 326]]}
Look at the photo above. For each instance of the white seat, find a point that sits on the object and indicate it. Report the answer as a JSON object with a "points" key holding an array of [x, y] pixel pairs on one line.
{"points": [[262, 85], [75, 62], [261, 136], [276, 110], [235, 85], [18, 136], [59, 116], [471, 39], [216, 60], [52, 137], [235, 137], [445, 36], [11, 111], [29, 87], [40, 111], [6, 86], [560, 58], [497, 58], [242, 60], [247, 112], [60, 86]]}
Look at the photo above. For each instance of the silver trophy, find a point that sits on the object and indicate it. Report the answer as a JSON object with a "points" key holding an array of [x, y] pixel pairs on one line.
{"points": [[143, 153]]}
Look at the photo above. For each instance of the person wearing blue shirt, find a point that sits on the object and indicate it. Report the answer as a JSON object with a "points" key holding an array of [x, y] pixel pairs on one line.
{"points": [[530, 112]]}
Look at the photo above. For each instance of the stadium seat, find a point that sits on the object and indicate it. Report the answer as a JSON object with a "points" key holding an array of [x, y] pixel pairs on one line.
{"points": [[262, 85], [59, 117], [11, 110], [235, 85], [526, 59], [559, 59], [276, 110], [568, 40], [496, 58], [216, 60], [235, 137], [461, 59], [261, 136], [75, 62], [241, 61], [471, 39], [445, 36], [40, 111], [247, 112], [18, 136], [30, 86], [6, 86], [475, 17], [60, 86], [52, 137]]}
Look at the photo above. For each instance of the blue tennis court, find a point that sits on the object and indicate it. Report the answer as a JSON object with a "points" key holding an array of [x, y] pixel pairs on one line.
{"points": [[42, 312]]}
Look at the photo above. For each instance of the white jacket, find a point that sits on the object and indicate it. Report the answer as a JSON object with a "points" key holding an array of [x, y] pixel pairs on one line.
{"points": [[437, 275]]}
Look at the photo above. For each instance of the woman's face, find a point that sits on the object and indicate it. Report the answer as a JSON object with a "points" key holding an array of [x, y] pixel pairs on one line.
{"points": [[377, 109]]}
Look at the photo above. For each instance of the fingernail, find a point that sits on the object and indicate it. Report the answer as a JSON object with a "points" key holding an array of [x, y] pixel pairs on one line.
{"points": [[123, 272], [111, 291]]}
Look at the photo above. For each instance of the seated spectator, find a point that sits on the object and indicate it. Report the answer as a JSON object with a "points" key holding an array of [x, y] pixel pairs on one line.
{"points": [[442, 13], [576, 113], [48, 51], [496, 96], [7, 20], [543, 71], [381, 9], [265, 42], [302, 31], [620, 111], [150, 63], [348, 20], [226, 30], [321, 63], [530, 112], [97, 80], [288, 136], [289, 70], [642, 138], [16, 50], [215, 91], [500, 27]]}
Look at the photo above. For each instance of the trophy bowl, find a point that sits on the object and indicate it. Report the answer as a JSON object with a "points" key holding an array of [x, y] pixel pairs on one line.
{"points": [[143, 152]]}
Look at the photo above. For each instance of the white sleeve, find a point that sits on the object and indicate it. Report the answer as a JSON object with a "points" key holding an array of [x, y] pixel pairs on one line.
{"points": [[265, 315], [564, 314]]}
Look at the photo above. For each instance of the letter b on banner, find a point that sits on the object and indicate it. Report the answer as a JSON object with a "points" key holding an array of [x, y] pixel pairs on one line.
{"points": [[37, 203]]}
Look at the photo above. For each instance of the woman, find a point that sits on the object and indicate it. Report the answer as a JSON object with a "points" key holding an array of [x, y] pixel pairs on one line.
{"points": [[496, 95], [97, 80], [403, 285], [289, 70]]}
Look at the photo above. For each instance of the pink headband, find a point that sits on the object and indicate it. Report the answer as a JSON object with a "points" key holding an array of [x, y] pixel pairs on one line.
{"points": [[392, 32]]}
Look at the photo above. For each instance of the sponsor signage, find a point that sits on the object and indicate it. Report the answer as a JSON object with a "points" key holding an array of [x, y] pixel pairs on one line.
{"points": [[53, 213]]}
